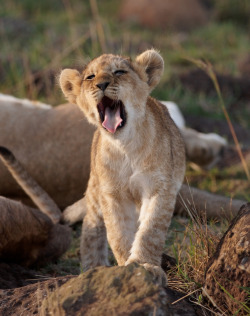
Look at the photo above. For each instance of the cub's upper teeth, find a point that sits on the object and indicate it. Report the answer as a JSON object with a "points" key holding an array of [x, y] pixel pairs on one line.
{"points": [[120, 125]]}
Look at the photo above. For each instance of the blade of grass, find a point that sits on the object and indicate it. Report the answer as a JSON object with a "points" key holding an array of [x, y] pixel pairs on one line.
{"points": [[242, 304], [211, 300], [182, 298], [205, 308], [56, 61], [208, 69], [99, 27]]}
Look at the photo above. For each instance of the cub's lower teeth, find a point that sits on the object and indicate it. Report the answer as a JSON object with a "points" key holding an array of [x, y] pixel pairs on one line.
{"points": [[120, 125]]}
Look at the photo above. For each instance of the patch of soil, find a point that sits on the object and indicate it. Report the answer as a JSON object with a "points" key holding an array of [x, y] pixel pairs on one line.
{"points": [[198, 81], [12, 276], [27, 300], [244, 66], [230, 157], [209, 125], [167, 262]]}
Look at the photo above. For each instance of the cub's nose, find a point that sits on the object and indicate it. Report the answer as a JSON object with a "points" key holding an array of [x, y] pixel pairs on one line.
{"points": [[102, 86]]}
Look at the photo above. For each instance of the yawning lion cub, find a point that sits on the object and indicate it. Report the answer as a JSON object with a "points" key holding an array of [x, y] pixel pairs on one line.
{"points": [[137, 160]]}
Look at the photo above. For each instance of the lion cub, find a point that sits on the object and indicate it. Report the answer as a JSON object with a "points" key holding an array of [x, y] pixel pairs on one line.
{"points": [[137, 160]]}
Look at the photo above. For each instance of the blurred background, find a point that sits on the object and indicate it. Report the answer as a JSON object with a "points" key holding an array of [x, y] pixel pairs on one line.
{"points": [[38, 38]]}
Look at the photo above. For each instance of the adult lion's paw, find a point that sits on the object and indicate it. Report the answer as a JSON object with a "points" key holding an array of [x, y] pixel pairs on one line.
{"points": [[158, 274]]}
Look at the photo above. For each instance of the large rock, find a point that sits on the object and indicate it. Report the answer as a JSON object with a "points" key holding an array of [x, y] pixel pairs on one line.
{"points": [[101, 291], [171, 14], [228, 272], [114, 291]]}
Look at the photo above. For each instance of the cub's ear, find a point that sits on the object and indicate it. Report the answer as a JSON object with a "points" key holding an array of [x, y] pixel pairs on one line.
{"points": [[153, 64], [70, 83]]}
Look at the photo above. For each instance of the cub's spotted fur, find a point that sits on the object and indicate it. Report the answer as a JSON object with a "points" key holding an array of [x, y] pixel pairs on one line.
{"points": [[137, 160]]}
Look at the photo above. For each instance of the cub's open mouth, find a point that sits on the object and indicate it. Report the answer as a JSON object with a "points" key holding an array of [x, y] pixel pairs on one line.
{"points": [[112, 114]]}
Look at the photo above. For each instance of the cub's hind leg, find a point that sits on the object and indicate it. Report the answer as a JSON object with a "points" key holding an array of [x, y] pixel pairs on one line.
{"points": [[94, 248]]}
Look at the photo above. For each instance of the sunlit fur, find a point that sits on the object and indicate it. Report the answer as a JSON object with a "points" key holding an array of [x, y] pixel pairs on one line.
{"points": [[65, 124], [136, 172]]}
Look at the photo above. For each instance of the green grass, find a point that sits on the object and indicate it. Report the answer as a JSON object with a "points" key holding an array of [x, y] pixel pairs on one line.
{"points": [[39, 36], [231, 181], [49, 28]]}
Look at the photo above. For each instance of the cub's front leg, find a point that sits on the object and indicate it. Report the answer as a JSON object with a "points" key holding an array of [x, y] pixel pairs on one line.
{"points": [[120, 221], [155, 218]]}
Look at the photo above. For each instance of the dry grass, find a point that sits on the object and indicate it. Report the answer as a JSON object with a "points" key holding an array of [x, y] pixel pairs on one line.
{"points": [[209, 70], [27, 63], [193, 248], [198, 244]]}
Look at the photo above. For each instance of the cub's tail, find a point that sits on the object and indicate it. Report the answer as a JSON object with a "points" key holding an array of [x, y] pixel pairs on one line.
{"points": [[30, 186]]}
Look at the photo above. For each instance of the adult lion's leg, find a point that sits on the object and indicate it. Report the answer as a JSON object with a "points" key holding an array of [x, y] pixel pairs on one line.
{"points": [[203, 149], [211, 204]]}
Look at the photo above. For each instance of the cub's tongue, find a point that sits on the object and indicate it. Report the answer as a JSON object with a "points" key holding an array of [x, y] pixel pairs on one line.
{"points": [[112, 119]]}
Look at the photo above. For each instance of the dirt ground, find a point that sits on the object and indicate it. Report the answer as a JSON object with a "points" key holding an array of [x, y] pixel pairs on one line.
{"points": [[26, 300]]}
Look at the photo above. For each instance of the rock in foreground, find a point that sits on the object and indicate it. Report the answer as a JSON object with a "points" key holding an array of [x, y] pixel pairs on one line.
{"points": [[101, 291], [228, 274], [114, 291]]}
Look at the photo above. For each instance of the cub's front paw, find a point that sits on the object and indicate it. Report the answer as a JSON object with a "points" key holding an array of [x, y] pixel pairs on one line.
{"points": [[158, 274]]}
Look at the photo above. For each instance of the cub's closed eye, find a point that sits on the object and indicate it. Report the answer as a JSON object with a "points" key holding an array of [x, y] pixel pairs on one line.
{"points": [[90, 77], [120, 72]]}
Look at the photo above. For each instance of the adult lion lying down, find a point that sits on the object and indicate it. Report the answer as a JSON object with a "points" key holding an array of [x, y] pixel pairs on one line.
{"points": [[30, 236], [53, 145]]}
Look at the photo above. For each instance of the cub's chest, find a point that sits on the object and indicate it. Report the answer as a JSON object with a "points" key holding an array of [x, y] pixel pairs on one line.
{"points": [[125, 175]]}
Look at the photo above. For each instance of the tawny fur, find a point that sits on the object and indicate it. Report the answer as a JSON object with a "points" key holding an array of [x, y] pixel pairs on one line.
{"points": [[202, 202], [30, 236], [60, 139], [46, 140], [206, 204], [50, 162], [205, 150], [30, 186], [136, 170]]}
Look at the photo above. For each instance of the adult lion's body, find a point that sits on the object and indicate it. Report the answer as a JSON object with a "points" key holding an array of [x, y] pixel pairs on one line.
{"points": [[46, 140], [52, 143]]}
